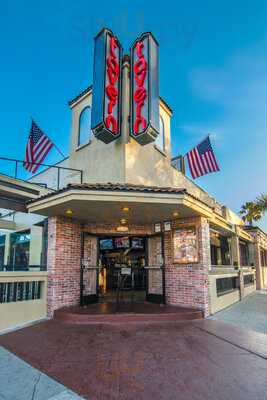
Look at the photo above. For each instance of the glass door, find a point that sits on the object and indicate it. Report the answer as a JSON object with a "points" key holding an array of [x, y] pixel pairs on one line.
{"points": [[89, 270], [155, 270]]}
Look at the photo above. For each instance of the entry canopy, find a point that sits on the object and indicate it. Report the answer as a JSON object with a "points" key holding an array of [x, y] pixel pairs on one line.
{"points": [[15, 193], [109, 203]]}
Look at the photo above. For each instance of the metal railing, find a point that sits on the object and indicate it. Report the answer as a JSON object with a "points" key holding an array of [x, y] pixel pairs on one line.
{"points": [[58, 169]]}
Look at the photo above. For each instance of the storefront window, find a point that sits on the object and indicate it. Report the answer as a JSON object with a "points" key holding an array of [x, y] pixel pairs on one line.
{"points": [[244, 254], [19, 251], [263, 258], [2, 251], [84, 126], [219, 249], [160, 142]]}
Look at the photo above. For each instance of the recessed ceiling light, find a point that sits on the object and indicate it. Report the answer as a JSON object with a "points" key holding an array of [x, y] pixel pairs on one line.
{"points": [[69, 212]]}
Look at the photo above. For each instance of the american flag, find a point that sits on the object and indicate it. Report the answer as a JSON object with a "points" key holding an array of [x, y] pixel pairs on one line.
{"points": [[37, 148], [201, 159]]}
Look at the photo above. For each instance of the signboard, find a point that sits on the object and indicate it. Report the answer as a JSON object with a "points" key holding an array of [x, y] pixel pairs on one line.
{"points": [[126, 271], [185, 246], [157, 227], [106, 101], [144, 89], [167, 226]]}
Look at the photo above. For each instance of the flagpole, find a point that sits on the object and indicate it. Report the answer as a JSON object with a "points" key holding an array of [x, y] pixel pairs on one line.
{"points": [[56, 147]]}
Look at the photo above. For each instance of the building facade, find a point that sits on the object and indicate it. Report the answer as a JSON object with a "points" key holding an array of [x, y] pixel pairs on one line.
{"points": [[111, 208]]}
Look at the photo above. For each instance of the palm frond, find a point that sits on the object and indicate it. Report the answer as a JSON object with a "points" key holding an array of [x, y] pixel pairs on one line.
{"points": [[261, 201]]}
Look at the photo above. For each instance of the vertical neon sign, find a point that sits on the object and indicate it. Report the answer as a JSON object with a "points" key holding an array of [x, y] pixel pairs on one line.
{"points": [[144, 89], [106, 102]]}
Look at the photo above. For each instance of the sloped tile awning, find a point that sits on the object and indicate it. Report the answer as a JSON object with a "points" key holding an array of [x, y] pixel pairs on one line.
{"points": [[104, 203]]}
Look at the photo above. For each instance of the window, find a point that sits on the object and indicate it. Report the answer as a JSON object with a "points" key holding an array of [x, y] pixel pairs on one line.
{"points": [[244, 254], [263, 257], [226, 285], [249, 279], [220, 249], [19, 251], [84, 126], [160, 141], [2, 250]]}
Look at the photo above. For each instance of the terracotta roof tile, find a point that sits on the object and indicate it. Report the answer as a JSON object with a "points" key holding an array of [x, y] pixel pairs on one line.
{"points": [[115, 187]]}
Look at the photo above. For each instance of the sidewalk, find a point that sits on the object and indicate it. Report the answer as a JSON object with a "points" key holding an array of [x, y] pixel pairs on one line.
{"points": [[250, 313], [20, 381]]}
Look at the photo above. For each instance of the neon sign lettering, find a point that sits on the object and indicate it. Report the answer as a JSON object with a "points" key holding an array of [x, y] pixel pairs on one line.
{"points": [[113, 71], [140, 93]]}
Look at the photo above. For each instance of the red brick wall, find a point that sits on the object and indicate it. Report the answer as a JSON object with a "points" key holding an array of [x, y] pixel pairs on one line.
{"points": [[187, 285], [63, 263], [64, 255]]}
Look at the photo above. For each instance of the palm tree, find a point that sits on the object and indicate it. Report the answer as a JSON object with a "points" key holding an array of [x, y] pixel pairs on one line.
{"points": [[251, 211], [261, 201]]}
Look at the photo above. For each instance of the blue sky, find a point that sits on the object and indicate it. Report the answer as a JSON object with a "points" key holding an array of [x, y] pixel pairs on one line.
{"points": [[213, 73]]}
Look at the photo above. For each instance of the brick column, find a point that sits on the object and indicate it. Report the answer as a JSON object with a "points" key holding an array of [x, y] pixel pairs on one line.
{"points": [[63, 263], [188, 285]]}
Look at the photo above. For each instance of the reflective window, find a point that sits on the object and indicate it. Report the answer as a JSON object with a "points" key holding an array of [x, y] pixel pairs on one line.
{"points": [[84, 126], [220, 249], [160, 139], [2, 250], [244, 253], [19, 250]]}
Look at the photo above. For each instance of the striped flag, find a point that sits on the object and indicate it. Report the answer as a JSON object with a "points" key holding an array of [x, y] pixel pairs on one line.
{"points": [[201, 159], [37, 148]]}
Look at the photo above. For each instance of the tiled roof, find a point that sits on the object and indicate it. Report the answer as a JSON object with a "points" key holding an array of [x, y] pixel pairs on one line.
{"points": [[127, 187], [116, 187]]}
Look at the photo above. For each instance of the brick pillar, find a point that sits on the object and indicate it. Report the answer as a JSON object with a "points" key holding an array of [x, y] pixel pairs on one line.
{"points": [[188, 285], [63, 263]]}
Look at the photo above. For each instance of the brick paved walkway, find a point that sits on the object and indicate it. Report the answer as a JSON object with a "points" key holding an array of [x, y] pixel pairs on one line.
{"points": [[200, 360]]}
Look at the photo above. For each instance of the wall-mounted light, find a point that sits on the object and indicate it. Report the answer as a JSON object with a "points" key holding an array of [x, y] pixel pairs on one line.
{"points": [[69, 212], [125, 209], [175, 214], [123, 221]]}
